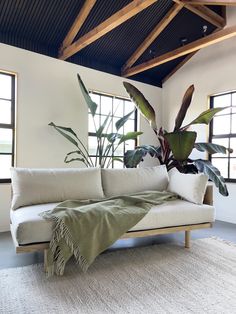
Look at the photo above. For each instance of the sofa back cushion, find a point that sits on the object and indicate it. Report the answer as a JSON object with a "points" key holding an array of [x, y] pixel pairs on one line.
{"points": [[191, 187], [38, 186], [125, 181]]}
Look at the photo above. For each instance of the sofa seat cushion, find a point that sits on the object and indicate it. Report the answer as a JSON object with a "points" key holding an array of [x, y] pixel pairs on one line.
{"points": [[29, 227]]}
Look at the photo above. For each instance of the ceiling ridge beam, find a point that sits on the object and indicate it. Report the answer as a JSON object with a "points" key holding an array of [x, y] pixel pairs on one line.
{"points": [[153, 35], [79, 21], [205, 13], [182, 51], [211, 2], [182, 63], [109, 24]]}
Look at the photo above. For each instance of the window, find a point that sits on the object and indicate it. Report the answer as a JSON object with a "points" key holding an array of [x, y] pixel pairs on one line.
{"points": [[7, 124], [223, 132], [117, 107]]}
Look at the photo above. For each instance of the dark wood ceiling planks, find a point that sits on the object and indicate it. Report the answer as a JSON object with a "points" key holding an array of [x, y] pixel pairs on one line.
{"points": [[42, 25]]}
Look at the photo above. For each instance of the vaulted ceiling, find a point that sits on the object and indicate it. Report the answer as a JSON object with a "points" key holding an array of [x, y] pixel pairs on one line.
{"points": [[43, 25]]}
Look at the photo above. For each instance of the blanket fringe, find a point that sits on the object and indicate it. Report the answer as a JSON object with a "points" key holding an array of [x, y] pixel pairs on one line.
{"points": [[60, 231]]}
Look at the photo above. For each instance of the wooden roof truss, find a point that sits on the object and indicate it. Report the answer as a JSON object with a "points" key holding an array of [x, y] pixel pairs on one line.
{"points": [[69, 48]]}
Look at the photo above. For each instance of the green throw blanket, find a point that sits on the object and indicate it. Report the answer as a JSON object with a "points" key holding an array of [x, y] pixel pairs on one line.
{"points": [[87, 228]]}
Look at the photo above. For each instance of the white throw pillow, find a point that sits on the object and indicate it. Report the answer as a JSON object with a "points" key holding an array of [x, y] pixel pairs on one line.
{"points": [[38, 186], [125, 181], [191, 187]]}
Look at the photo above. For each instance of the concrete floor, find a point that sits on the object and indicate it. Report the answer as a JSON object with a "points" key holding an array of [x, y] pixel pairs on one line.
{"points": [[8, 257]]}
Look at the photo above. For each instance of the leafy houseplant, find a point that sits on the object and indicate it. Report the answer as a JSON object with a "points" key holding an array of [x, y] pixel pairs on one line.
{"points": [[176, 147], [106, 143]]}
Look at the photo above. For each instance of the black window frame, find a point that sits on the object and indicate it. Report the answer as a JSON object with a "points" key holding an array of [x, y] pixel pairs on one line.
{"points": [[10, 126], [223, 136], [100, 115]]}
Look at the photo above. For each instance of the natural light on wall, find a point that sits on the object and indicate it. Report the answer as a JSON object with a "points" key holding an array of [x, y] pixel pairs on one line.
{"points": [[7, 124]]}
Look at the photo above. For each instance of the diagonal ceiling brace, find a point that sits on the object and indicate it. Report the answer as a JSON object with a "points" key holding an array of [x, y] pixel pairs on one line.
{"points": [[112, 22], [205, 13], [182, 51], [182, 63], [153, 35], [79, 21]]}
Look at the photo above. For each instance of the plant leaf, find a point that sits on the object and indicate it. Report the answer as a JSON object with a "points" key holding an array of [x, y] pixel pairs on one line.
{"points": [[129, 136], [206, 116], [151, 150], [181, 143], [142, 104], [133, 157], [90, 103], [111, 137], [206, 167], [102, 127], [123, 120], [212, 148], [117, 159], [184, 107], [62, 130]]}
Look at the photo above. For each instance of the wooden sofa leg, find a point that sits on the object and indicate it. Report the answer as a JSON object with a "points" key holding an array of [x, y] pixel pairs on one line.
{"points": [[45, 259], [187, 239]]}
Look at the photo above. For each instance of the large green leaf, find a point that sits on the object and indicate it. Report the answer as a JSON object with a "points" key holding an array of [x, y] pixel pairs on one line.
{"points": [[206, 167], [206, 116], [102, 127], [129, 136], [66, 133], [184, 107], [123, 120], [90, 103], [181, 143], [142, 104], [212, 148], [153, 151], [133, 157]]}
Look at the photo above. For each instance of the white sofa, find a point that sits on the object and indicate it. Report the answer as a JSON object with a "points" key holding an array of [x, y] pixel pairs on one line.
{"points": [[38, 190]]}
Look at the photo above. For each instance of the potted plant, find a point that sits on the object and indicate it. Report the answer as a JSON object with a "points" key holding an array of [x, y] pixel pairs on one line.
{"points": [[114, 140], [176, 146]]}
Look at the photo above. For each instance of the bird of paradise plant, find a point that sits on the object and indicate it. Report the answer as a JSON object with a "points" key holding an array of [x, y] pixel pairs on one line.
{"points": [[103, 151], [175, 147]]}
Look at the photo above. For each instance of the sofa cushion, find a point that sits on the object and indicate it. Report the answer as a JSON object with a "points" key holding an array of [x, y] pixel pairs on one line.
{"points": [[125, 181], [28, 227], [191, 187], [38, 186]]}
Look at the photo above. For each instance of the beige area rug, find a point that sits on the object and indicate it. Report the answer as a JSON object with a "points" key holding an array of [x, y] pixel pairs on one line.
{"points": [[155, 279]]}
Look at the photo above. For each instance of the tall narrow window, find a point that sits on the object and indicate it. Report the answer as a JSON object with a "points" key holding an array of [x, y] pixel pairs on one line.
{"points": [[223, 132], [7, 124], [117, 107]]}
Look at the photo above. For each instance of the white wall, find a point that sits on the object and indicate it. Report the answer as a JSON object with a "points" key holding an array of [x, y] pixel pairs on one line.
{"points": [[212, 70], [48, 91]]}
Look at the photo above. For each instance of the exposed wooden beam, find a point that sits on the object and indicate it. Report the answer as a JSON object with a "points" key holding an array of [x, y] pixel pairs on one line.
{"points": [[79, 21], [182, 51], [112, 22], [153, 35], [179, 66], [182, 63], [205, 13], [211, 2]]}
